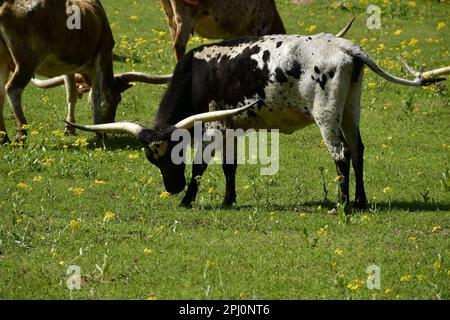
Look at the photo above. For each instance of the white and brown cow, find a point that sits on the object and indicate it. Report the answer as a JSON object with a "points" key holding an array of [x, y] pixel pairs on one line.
{"points": [[301, 80]]}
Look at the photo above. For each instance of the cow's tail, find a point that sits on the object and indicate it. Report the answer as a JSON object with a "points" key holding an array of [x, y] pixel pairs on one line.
{"points": [[356, 52]]}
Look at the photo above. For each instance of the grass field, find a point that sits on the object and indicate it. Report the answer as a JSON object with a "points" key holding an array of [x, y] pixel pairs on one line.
{"points": [[98, 205]]}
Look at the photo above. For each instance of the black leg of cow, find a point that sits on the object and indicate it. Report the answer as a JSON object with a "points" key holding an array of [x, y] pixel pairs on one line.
{"points": [[197, 173], [341, 153], [343, 170], [229, 160], [358, 167], [230, 193]]}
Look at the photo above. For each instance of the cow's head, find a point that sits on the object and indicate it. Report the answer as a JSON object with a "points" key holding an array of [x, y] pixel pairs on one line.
{"points": [[158, 143], [113, 89]]}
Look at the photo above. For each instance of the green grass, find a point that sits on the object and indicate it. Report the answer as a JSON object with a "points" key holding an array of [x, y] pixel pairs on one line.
{"points": [[280, 241]]}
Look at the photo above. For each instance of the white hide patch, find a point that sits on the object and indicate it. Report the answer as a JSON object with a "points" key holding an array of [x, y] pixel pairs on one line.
{"points": [[291, 103]]}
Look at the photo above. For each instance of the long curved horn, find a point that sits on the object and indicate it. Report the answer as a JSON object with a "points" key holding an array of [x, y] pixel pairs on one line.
{"points": [[144, 77], [346, 29], [428, 74], [117, 127], [56, 82], [49, 83], [189, 123]]}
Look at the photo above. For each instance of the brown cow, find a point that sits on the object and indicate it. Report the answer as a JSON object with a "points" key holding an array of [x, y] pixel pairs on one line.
{"points": [[37, 37], [218, 19]]}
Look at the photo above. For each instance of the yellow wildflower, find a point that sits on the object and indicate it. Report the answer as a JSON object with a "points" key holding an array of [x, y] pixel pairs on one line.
{"points": [[24, 186], [148, 251], [109, 216], [338, 252], [387, 190], [438, 265], [355, 284], [164, 195], [211, 263], [441, 25], [437, 229], [406, 278], [311, 29], [413, 42], [77, 191], [388, 291], [74, 225], [398, 32], [38, 179], [421, 277], [151, 297], [81, 143]]}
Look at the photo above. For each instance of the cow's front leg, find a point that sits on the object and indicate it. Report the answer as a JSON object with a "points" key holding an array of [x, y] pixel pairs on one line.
{"points": [[72, 98], [197, 173], [198, 169], [230, 193], [4, 75], [14, 89]]}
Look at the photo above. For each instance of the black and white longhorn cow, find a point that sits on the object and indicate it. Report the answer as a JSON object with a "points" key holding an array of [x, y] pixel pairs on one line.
{"points": [[301, 80]]}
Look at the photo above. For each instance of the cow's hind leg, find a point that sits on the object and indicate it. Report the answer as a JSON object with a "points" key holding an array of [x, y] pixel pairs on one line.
{"points": [[341, 154], [350, 126], [328, 112], [184, 25]]}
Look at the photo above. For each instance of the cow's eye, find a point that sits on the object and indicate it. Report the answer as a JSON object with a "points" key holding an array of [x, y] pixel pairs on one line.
{"points": [[159, 149]]}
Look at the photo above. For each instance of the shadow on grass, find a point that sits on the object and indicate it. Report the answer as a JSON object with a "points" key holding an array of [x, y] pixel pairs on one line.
{"points": [[311, 207], [411, 206], [115, 143], [121, 58]]}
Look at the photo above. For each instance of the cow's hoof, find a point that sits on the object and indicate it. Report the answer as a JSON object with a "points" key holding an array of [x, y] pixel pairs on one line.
{"points": [[4, 139], [226, 205], [360, 206], [185, 205], [69, 131], [21, 137]]}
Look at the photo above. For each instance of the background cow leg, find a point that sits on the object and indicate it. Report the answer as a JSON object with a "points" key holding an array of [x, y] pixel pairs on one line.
{"points": [[95, 97], [72, 98], [184, 21], [14, 88], [4, 75]]}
